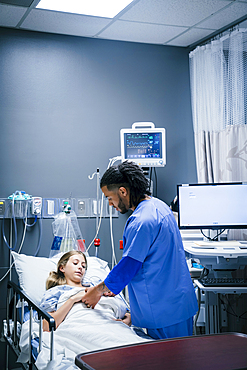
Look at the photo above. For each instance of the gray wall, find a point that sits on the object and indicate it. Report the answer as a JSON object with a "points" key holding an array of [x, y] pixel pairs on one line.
{"points": [[63, 101]]}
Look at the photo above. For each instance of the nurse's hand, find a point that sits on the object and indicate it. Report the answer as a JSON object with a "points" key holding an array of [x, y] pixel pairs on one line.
{"points": [[91, 297], [93, 294], [109, 294]]}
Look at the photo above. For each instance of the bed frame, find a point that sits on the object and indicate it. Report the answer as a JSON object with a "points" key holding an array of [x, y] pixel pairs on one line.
{"points": [[15, 318], [24, 310]]}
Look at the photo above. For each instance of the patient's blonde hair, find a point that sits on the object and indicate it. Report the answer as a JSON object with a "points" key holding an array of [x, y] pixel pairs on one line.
{"points": [[57, 277]]}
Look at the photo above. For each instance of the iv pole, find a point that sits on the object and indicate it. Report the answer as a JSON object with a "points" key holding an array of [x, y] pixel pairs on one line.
{"points": [[96, 240]]}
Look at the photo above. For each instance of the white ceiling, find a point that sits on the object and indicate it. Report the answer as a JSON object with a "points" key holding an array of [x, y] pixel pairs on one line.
{"points": [[164, 22]]}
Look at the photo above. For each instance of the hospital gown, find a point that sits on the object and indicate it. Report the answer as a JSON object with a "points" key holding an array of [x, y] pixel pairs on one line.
{"points": [[51, 297]]}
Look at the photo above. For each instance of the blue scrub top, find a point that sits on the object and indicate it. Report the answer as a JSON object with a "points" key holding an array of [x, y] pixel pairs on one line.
{"points": [[161, 293]]}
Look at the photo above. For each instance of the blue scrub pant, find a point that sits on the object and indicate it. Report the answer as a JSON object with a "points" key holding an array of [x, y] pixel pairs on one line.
{"points": [[182, 329]]}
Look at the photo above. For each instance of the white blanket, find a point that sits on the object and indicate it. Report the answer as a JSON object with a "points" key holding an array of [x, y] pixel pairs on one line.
{"points": [[83, 330]]}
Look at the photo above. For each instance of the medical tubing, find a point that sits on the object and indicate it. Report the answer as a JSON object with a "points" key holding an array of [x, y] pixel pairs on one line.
{"points": [[100, 218], [15, 228], [40, 237], [97, 198], [4, 276], [12, 264], [20, 248], [35, 220], [114, 261], [111, 161], [21, 245]]}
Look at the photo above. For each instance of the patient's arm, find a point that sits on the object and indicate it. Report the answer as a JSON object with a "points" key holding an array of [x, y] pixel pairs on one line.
{"points": [[62, 312]]}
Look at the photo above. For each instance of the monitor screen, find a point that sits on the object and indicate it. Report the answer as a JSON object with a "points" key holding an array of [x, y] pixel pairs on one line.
{"points": [[212, 206], [146, 147]]}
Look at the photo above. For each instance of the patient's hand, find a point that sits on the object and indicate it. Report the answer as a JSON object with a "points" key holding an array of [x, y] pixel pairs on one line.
{"points": [[78, 296], [126, 319], [92, 296]]}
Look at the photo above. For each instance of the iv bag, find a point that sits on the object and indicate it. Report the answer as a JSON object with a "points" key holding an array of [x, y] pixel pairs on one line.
{"points": [[67, 234]]}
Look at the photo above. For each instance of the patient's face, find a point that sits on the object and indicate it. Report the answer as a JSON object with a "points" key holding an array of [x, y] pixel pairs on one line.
{"points": [[74, 270]]}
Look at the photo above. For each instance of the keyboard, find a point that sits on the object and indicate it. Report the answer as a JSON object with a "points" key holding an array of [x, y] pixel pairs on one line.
{"points": [[223, 282]]}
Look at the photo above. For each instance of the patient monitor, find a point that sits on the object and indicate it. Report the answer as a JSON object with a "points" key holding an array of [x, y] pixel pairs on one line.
{"points": [[144, 145]]}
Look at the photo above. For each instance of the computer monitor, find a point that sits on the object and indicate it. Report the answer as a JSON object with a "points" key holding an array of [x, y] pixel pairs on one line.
{"points": [[212, 206], [144, 145]]}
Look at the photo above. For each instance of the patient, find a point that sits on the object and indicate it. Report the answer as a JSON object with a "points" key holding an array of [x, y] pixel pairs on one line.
{"points": [[69, 275]]}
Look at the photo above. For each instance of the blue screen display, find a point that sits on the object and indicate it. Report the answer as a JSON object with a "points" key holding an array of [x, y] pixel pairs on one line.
{"points": [[142, 145]]}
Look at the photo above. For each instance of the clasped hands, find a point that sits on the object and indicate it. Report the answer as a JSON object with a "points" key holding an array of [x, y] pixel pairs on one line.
{"points": [[93, 295]]}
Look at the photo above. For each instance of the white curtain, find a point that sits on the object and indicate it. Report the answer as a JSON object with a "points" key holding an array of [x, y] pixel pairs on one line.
{"points": [[219, 106], [218, 74]]}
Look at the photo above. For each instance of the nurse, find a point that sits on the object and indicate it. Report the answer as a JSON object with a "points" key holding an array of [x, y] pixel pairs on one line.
{"points": [[161, 293]]}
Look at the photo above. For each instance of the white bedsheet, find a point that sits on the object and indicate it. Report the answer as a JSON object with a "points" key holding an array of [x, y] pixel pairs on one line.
{"points": [[83, 330]]}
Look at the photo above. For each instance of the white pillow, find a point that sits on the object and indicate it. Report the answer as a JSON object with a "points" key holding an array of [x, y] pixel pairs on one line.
{"points": [[97, 270], [33, 272]]}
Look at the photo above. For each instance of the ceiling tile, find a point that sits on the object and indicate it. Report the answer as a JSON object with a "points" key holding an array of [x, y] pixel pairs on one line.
{"points": [[140, 32], [26, 3], [225, 16], [243, 24], [190, 37], [175, 12], [171, 22], [11, 15], [64, 23]]}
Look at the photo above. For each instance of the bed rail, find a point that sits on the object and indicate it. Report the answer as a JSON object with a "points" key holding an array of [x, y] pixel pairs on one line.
{"points": [[14, 293]]}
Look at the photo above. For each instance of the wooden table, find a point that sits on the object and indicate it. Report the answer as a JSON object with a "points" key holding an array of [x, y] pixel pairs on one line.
{"points": [[210, 352]]}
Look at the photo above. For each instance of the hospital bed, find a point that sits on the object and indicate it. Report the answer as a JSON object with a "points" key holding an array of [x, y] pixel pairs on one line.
{"points": [[57, 349]]}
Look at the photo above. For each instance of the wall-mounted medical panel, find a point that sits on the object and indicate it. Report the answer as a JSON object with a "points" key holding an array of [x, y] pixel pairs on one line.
{"points": [[95, 208], [65, 203], [26, 208], [82, 207], [16, 209], [2, 207], [35, 208], [50, 207], [90, 207]]}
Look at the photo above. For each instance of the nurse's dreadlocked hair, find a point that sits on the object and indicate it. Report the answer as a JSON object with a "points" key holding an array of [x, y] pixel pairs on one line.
{"points": [[129, 175]]}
